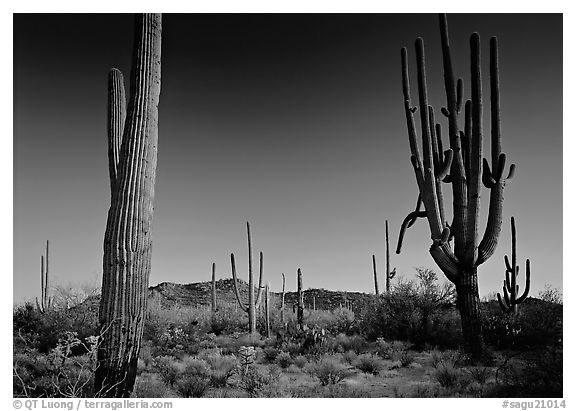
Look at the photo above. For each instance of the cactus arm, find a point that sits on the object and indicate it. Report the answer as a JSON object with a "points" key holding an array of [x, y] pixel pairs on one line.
{"points": [[457, 172], [42, 285], [260, 287], [527, 287], [418, 208], [489, 241], [475, 161], [116, 119], [235, 282], [503, 305], [412, 137], [459, 94], [436, 155], [411, 216]]}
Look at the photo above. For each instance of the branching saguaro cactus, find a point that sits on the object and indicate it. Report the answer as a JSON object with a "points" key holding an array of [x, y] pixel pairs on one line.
{"points": [[460, 166], [389, 274], [45, 302], [253, 304], [213, 290], [133, 141], [510, 289]]}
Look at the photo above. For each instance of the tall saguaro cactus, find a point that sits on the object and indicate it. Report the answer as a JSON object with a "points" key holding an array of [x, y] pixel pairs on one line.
{"points": [[375, 274], [389, 274], [510, 289], [283, 302], [45, 300], [300, 303], [460, 166], [127, 240], [213, 290], [253, 304], [267, 310]]}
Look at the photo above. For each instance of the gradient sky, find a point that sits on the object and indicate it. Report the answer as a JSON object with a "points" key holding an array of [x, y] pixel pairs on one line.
{"points": [[293, 122]]}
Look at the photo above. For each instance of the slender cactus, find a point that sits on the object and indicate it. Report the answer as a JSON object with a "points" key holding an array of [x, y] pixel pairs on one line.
{"points": [[300, 315], [389, 274], [267, 310], [283, 302], [253, 305], [45, 302], [461, 167], [510, 289], [375, 274], [127, 239], [213, 290]]}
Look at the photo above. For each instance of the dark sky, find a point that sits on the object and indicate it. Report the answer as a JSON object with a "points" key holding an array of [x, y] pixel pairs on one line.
{"points": [[293, 122]]}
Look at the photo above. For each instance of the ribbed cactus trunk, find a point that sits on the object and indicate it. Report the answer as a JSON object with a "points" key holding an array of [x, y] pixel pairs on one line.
{"points": [[375, 274], [461, 167], [45, 302], [127, 240], [253, 302], [300, 313], [267, 311], [283, 302], [213, 290]]}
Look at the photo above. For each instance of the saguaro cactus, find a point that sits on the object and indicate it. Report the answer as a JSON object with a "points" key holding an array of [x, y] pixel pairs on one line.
{"points": [[252, 304], [267, 310], [283, 302], [300, 306], [460, 166], [375, 274], [510, 289], [389, 274], [127, 240], [45, 300], [213, 290]]}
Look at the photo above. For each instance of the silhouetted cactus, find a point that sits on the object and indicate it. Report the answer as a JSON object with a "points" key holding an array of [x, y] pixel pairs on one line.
{"points": [[510, 289], [127, 240], [375, 274], [283, 302], [213, 290], [267, 310], [389, 274], [460, 166], [250, 309], [300, 306], [45, 302]]}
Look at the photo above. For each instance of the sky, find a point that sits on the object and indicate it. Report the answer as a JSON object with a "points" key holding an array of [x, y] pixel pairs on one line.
{"points": [[292, 122]]}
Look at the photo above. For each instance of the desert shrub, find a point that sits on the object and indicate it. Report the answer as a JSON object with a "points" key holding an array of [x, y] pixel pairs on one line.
{"points": [[151, 386], [283, 359], [270, 354], [368, 363], [343, 343], [350, 357], [447, 376], [221, 369], [451, 358], [479, 374], [194, 377], [300, 361], [227, 321], [329, 370], [254, 380], [167, 367], [406, 358]]}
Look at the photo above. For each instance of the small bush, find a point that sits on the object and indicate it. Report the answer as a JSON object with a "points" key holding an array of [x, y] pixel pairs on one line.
{"points": [[270, 354], [192, 385], [350, 357], [300, 361], [254, 380], [283, 359], [151, 386], [368, 363], [447, 375], [480, 374], [406, 358], [328, 370], [167, 368]]}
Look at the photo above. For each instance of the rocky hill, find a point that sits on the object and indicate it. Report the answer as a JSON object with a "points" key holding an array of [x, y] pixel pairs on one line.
{"points": [[198, 294]]}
